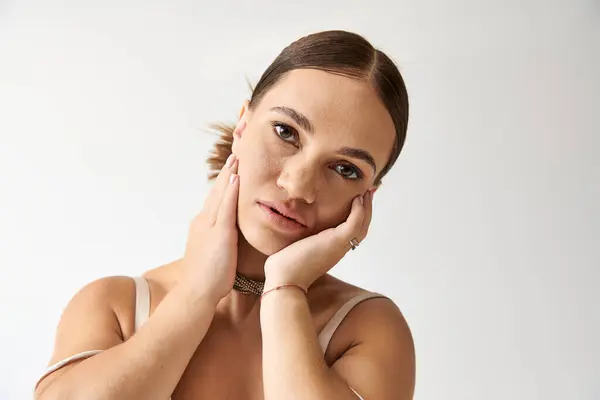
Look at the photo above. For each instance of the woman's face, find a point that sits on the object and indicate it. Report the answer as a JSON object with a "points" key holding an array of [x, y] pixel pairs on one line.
{"points": [[314, 142]]}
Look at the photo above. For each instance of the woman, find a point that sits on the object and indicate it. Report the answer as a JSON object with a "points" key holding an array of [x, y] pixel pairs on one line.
{"points": [[325, 123]]}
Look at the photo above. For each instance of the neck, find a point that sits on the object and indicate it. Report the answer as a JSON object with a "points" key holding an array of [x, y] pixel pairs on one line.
{"points": [[240, 306], [251, 262]]}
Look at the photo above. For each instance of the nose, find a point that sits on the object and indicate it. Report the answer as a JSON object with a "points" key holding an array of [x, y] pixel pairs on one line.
{"points": [[299, 178]]}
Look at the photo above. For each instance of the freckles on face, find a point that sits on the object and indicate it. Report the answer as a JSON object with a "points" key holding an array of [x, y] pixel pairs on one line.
{"points": [[258, 167], [340, 112], [341, 119], [258, 163]]}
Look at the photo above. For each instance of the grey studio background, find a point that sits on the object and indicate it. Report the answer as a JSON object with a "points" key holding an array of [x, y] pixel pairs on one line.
{"points": [[486, 233]]}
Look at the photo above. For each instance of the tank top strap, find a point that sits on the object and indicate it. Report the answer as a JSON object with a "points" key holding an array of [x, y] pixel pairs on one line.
{"points": [[142, 301], [329, 329]]}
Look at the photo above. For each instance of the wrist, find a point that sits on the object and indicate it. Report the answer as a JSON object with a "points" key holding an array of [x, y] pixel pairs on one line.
{"points": [[270, 290], [272, 282]]}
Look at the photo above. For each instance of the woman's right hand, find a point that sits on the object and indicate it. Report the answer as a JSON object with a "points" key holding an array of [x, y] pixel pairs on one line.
{"points": [[210, 259]]}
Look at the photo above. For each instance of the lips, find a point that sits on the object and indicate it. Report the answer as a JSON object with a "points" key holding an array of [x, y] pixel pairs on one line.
{"points": [[285, 211], [282, 214]]}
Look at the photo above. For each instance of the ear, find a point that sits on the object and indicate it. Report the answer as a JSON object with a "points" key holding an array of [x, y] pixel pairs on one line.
{"points": [[244, 109], [241, 124]]}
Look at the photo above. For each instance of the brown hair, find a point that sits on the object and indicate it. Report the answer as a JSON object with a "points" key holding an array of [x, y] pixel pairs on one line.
{"points": [[339, 52]]}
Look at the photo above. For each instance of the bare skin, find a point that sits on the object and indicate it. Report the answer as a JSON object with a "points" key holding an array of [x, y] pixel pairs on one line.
{"points": [[203, 340]]}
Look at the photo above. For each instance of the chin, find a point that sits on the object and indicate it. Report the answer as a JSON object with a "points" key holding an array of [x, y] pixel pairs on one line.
{"points": [[259, 235], [266, 241]]}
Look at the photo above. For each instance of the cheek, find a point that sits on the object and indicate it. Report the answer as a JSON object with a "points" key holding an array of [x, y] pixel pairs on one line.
{"points": [[332, 212], [259, 159]]}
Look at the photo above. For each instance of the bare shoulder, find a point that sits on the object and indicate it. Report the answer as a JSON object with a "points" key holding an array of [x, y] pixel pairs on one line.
{"points": [[330, 291], [114, 293], [98, 317], [111, 289], [367, 318], [373, 347], [379, 318], [107, 302]]}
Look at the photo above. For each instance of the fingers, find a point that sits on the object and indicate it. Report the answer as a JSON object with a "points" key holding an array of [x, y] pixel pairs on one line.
{"points": [[368, 207], [357, 223], [213, 202], [228, 209], [211, 205]]}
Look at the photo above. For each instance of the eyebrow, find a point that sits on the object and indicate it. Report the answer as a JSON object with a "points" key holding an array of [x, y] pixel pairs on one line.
{"points": [[305, 123], [297, 116], [359, 154]]}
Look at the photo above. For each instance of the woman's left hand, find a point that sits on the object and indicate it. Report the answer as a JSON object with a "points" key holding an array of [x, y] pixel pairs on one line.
{"points": [[304, 261]]}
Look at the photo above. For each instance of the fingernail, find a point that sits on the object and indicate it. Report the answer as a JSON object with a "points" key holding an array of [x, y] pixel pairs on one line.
{"points": [[232, 178], [229, 162], [361, 198]]}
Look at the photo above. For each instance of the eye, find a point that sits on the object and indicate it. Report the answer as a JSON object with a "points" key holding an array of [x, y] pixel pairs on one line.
{"points": [[348, 171], [285, 132]]}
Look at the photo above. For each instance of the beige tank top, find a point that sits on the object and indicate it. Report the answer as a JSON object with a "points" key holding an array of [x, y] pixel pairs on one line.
{"points": [[142, 312]]}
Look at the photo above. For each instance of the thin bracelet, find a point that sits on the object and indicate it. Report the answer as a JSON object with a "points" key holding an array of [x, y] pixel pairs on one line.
{"points": [[283, 287]]}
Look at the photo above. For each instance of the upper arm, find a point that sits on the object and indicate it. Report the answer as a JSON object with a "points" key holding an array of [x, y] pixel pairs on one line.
{"points": [[89, 322], [381, 362]]}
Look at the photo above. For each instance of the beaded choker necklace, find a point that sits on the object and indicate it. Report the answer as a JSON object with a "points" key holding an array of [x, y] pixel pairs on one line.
{"points": [[247, 285]]}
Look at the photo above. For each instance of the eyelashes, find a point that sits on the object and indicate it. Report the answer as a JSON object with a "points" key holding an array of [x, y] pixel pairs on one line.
{"points": [[282, 129], [290, 135], [354, 173]]}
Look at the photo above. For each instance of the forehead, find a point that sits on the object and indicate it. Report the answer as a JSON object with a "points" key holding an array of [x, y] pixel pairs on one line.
{"points": [[345, 110]]}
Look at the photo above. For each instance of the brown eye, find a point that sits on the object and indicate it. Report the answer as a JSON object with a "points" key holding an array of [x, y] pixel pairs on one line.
{"points": [[348, 171], [285, 132]]}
